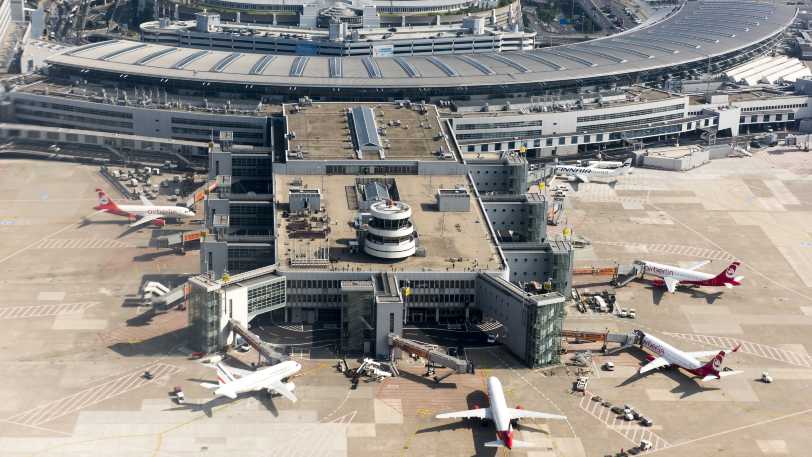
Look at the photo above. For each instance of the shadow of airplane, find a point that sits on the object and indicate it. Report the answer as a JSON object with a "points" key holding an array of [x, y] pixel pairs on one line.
{"points": [[658, 292], [207, 407], [709, 297], [152, 255], [87, 221]]}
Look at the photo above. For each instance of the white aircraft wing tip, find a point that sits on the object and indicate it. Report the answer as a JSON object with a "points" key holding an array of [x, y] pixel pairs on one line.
{"points": [[497, 443], [517, 443]]}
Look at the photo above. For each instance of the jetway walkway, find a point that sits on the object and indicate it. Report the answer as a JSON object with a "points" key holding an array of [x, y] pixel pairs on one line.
{"points": [[432, 355], [263, 349], [627, 275], [624, 340], [179, 241], [162, 298], [201, 192]]}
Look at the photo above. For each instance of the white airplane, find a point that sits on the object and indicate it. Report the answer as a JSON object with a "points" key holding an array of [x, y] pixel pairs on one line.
{"points": [[502, 416], [585, 174], [672, 276], [234, 381], [670, 356], [141, 214]]}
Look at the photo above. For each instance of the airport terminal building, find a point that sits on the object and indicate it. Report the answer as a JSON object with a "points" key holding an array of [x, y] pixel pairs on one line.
{"points": [[393, 205], [367, 191]]}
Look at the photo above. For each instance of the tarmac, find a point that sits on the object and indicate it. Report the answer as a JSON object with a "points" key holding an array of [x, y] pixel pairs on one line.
{"points": [[75, 339]]}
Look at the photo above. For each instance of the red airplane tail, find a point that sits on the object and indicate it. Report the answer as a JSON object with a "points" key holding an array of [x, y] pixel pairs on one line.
{"points": [[105, 203], [727, 277], [711, 369]]}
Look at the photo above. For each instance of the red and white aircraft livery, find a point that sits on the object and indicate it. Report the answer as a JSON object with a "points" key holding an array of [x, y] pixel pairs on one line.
{"points": [[141, 214], [672, 276], [501, 415], [668, 355], [234, 381]]}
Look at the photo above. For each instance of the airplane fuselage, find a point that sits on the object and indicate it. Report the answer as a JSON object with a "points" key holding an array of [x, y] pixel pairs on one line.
{"points": [[568, 170], [501, 417], [673, 355], [263, 377], [683, 275], [165, 211]]}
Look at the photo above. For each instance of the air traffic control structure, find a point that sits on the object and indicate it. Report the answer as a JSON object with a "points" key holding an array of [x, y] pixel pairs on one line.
{"points": [[369, 244]]}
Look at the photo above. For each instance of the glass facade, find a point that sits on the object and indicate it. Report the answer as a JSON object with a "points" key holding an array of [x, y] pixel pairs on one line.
{"points": [[204, 318], [544, 324], [266, 297]]}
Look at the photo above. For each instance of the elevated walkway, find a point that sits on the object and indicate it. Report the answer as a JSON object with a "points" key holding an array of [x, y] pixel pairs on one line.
{"points": [[430, 353], [264, 349], [624, 340], [627, 275]]}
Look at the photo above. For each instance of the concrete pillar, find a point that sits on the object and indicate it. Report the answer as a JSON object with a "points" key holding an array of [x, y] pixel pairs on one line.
{"points": [[437, 316]]}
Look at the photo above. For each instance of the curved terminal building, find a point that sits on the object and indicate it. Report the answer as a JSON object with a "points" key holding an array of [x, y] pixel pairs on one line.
{"points": [[700, 36], [390, 233]]}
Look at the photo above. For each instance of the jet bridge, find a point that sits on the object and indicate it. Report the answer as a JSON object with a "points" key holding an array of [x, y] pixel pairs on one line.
{"points": [[263, 349], [430, 353], [625, 340]]}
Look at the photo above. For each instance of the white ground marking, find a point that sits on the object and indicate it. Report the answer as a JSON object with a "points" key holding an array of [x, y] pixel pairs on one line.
{"points": [[749, 267], [50, 296], [759, 350], [23, 249], [738, 429], [80, 243], [55, 409], [631, 431], [689, 251], [22, 312], [293, 328]]}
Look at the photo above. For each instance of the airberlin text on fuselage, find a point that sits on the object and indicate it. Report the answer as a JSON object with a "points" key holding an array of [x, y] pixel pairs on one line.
{"points": [[660, 271]]}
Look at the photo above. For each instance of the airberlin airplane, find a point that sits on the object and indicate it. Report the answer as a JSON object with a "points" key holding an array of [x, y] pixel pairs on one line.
{"points": [[671, 276], [668, 355], [141, 214]]}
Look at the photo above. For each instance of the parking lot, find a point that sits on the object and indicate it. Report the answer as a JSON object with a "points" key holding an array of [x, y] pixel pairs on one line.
{"points": [[76, 342]]}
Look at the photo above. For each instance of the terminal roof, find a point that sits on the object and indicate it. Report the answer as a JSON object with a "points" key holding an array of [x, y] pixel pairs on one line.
{"points": [[699, 30]]}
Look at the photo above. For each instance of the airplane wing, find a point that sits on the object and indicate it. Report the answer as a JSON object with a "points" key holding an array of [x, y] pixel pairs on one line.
{"points": [[524, 414], [480, 413], [722, 374], [659, 362], [697, 265], [703, 354], [671, 283], [146, 201], [146, 219], [582, 178], [279, 387]]}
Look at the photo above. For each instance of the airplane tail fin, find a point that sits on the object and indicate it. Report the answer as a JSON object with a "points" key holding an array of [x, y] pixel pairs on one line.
{"points": [[711, 370], [104, 202], [727, 277], [513, 444]]}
